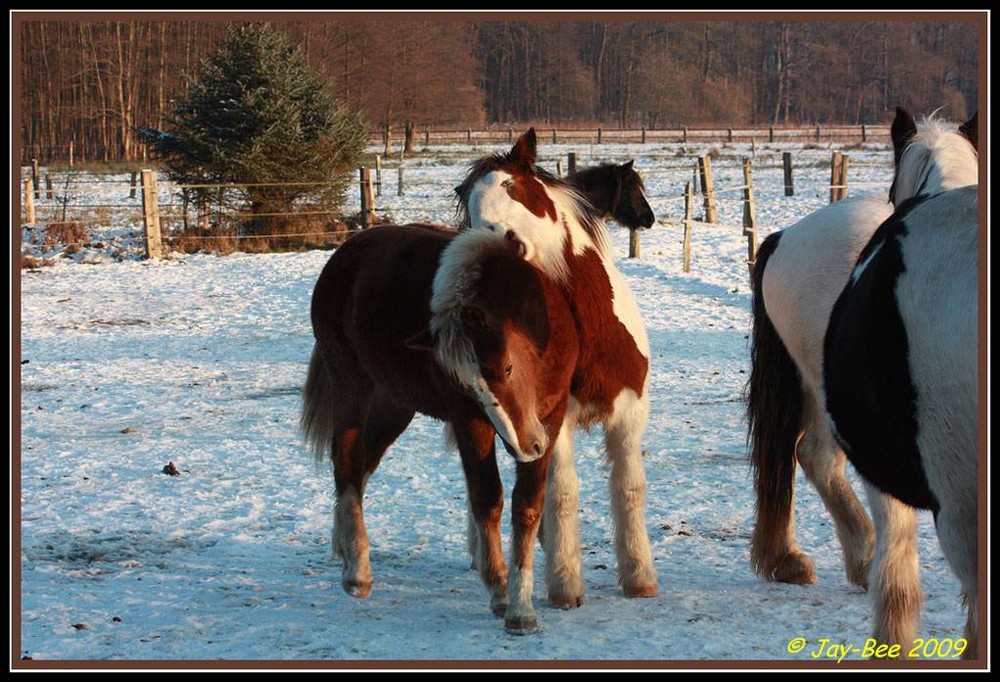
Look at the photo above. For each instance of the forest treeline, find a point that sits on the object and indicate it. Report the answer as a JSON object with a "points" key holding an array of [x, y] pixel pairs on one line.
{"points": [[93, 83]]}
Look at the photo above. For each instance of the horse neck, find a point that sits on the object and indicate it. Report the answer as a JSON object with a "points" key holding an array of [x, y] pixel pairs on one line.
{"points": [[936, 162], [584, 229], [603, 194], [453, 288]]}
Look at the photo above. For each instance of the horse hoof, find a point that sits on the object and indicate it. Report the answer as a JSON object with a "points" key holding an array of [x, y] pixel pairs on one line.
{"points": [[566, 602], [796, 570], [640, 591], [499, 609], [357, 589], [857, 576], [521, 626]]}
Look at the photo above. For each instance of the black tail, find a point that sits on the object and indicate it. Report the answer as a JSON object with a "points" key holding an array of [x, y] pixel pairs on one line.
{"points": [[774, 420]]}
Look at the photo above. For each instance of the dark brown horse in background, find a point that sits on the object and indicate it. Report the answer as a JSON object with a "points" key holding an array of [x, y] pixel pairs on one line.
{"points": [[617, 191], [458, 327]]}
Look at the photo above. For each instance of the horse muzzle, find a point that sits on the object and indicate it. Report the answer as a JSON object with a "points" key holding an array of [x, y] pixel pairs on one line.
{"points": [[533, 452]]}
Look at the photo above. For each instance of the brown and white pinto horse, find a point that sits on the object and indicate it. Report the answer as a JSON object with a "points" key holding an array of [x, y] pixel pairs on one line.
{"points": [[458, 327], [560, 232]]}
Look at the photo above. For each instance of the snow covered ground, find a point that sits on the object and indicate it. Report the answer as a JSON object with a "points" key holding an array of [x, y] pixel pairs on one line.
{"points": [[128, 365]]}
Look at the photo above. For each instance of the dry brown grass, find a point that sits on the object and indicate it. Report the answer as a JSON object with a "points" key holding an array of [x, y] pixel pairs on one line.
{"points": [[265, 235], [72, 233], [31, 262]]}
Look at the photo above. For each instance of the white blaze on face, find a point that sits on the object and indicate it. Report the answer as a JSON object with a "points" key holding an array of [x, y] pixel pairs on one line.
{"points": [[495, 412]]}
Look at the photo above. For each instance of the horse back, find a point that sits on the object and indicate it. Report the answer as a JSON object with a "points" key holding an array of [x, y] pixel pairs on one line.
{"points": [[372, 297]]}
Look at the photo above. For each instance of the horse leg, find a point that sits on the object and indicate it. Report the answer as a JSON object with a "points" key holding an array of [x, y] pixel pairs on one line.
{"points": [[526, 507], [475, 439], [350, 538], [957, 532], [824, 465], [560, 518], [774, 550], [895, 579], [623, 440]]}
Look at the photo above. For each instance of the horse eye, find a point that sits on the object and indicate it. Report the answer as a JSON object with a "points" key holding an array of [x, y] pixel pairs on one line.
{"points": [[507, 183], [508, 369]]}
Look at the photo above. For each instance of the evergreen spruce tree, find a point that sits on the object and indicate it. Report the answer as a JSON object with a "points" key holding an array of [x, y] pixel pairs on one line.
{"points": [[258, 114]]}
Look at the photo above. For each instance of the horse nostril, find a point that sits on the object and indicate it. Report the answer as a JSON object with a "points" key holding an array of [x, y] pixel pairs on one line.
{"points": [[538, 448]]}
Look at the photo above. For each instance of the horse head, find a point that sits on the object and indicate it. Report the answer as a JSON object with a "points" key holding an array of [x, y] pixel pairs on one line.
{"points": [[630, 208], [509, 194], [493, 328]]}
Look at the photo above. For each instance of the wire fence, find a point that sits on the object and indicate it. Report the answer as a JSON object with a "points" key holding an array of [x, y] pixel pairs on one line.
{"points": [[402, 190]]}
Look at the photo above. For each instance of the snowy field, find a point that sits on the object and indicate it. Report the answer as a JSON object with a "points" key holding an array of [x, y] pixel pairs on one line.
{"points": [[128, 365]]}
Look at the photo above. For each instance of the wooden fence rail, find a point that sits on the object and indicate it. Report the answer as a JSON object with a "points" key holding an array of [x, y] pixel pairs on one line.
{"points": [[645, 135]]}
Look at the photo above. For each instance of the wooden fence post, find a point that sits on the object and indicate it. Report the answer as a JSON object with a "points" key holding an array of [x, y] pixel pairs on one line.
{"points": [[843, 176], [730, 134], [553, 136], [644, 135], [131, 185], [468, 135], [399, 184], [685, 134], [367, 198], [48, 187], [786, 161], [598, 136], [688, 207], [707, 187], [71, 153], [151, 214], [510, 135], [378, 175], [36, 180], [864, 134], [770, 134], [838, 177], [749, 214], [559, 172], [29, 202], [571, 163], [633, 243], [427, 137]]}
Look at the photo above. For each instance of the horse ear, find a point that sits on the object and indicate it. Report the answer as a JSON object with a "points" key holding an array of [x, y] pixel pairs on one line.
{"points": [[421, 341], [628, 164], [903, 129], [526, 147], [970, 130]]}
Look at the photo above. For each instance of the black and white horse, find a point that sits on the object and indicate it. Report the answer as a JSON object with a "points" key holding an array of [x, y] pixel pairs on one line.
{"points": [[901, 377]]}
